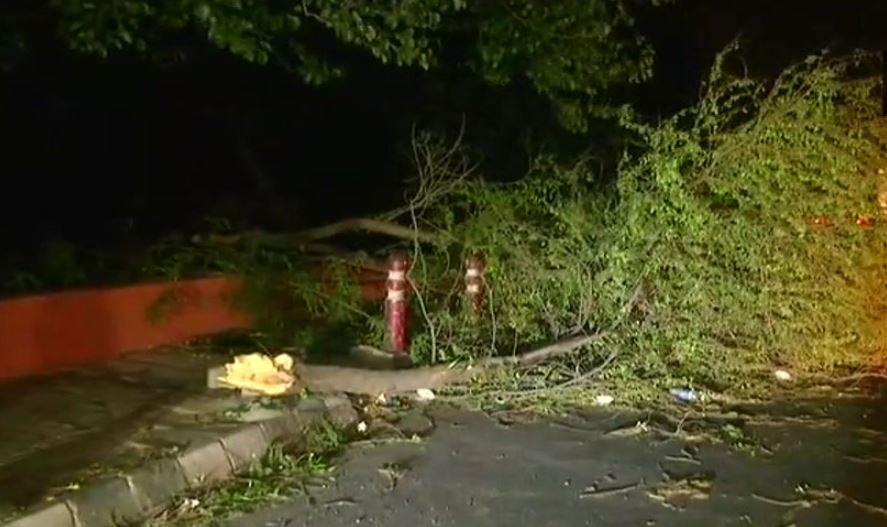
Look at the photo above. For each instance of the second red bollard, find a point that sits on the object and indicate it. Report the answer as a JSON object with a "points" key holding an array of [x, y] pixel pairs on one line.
{"points": [[397, 309], [474, 282]]}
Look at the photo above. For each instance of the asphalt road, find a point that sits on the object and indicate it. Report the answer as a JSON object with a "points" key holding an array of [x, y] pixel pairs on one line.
{"points": [[818, 464]]}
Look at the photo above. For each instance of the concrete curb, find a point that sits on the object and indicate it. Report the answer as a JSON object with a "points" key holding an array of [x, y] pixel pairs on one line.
{"points": [[133, 497]]}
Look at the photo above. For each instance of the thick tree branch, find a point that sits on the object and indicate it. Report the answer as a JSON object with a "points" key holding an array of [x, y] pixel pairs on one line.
{"points": [[308, 240], [374, 382], [369, 225]]}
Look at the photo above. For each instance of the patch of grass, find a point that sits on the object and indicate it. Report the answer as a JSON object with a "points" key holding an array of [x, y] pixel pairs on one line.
{"points": [[739, 439], [283, 472], [165, 304]]}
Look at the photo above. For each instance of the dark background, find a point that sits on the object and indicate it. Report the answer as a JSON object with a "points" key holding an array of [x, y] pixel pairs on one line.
{"points": [[99, 152]]}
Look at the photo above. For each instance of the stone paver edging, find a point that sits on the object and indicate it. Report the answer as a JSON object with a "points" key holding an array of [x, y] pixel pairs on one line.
{"points": [[133, 497]]}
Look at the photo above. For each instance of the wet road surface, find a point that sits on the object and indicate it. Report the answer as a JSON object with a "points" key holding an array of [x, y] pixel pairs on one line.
{"points": [[816, 463]]}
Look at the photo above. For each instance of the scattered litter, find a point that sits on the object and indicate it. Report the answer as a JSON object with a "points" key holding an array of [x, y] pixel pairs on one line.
{"points": [[260, 373], [863, 221], [881, 171], [424, 394], [603, 400], [684, 395], [597, 491], [782, 375], [381, 399], [362, 427]]}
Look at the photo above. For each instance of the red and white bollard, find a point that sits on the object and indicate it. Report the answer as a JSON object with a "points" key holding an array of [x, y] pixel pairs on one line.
{"points": [[474, 281], [397, 309]]}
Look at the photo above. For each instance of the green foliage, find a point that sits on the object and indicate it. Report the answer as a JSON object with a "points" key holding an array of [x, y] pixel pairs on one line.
{"points": [[722, 207], [539, 237], [57, 265], [571, 51], [293, 304], [702, 261]]}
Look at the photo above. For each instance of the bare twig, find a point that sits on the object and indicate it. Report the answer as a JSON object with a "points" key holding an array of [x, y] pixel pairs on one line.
{"points": [[493, 325], [575, 381], [432, 329], [441, 170], [546, 353]]}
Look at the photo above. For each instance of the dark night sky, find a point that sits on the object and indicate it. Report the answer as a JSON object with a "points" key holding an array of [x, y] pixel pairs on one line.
{"points": [[89, 145]]}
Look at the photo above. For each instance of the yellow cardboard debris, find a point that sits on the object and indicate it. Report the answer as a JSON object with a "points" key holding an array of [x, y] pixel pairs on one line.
{"points": [[259, 373]]}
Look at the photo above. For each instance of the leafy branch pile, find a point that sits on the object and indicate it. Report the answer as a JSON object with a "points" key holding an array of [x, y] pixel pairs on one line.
{"points": [[707, 239], [702, 262]]}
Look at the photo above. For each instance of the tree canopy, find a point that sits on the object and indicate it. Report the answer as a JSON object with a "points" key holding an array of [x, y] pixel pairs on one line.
{"points": [[571, 51]]}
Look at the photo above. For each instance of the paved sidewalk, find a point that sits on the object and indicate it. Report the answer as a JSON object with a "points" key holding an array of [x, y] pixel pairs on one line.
{"points": [[108, 443], [57, 430], [816, 463]]}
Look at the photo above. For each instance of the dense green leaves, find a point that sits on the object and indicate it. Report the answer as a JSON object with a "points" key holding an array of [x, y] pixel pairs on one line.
{"points": [[571, 51], [704, 260]]}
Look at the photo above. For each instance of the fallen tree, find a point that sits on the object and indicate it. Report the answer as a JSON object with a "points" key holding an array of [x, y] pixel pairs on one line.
{"points": [[705, 259]]}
